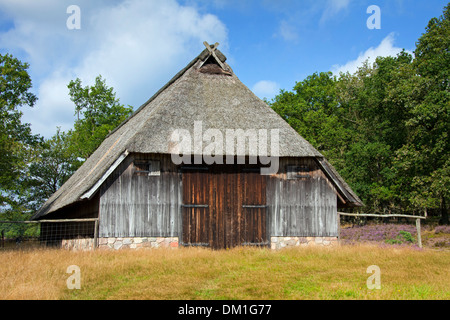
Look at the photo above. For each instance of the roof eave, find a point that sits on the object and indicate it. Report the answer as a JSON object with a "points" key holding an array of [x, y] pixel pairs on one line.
{"points": [[351, 199]]}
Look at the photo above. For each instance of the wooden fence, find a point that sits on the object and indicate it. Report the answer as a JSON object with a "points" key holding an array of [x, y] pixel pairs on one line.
{"points": [[417, 218]]}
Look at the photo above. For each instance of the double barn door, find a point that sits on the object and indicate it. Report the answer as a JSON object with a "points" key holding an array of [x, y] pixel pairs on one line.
{"points": [[224, 206]]}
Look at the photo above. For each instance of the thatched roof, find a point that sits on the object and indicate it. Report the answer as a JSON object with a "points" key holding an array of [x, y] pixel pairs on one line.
{"points": [[206, 90]]}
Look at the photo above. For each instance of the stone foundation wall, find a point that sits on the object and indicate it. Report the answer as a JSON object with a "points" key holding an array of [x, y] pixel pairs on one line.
{"points": [[172, 242], [287, 242], [78, 244], [137, 243]]}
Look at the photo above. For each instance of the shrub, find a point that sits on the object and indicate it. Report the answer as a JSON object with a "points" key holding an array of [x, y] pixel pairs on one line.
{"points": [[407, 236], [442, 229], [387, 233]]}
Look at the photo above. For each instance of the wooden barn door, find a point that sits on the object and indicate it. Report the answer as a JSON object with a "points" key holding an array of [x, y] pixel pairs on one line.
{"points": [[224, 206], [195, 208], [254, 208]]}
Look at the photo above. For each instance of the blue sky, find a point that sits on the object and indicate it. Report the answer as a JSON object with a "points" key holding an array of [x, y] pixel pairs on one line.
{"points": [[138, 45]]}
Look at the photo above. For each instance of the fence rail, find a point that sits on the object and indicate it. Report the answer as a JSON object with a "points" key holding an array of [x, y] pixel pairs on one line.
{"points": [[381, 215], [66, 233], [418, 218]]}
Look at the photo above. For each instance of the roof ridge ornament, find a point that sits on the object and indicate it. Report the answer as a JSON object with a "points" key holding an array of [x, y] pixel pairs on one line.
{"points": [[212, 52]]}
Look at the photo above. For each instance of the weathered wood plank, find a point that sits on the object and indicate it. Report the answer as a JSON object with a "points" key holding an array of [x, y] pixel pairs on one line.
{"points": [[301, 206], [226, 190], [141, 205], [381, 215]]}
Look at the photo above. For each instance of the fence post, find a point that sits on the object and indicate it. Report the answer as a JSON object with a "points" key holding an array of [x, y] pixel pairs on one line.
{"points": [[339, 226], [95, 234], [419, 238]]}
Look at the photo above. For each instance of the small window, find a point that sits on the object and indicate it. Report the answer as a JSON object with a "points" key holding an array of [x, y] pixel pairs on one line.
{"points": [[147, 168], [297, 172]]}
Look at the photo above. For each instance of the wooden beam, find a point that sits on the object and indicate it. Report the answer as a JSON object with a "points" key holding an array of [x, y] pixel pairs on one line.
{"points": [[381, 215], [93, 190], [212, 51], [419, 237], [95, 245], [53, 221], [339, 226], [335, 181]]}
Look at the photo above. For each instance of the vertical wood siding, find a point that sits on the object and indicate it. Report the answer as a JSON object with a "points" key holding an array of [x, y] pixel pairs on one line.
{"points": [[224, 207], [302, 206], [138, 205]]}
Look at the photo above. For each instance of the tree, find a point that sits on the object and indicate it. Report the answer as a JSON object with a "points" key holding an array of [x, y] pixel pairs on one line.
{"points": [[353, 122], [98, 113], [52, 165], [16, 139], [57, 158], [313, 110], [425, 157], [377, 122]]}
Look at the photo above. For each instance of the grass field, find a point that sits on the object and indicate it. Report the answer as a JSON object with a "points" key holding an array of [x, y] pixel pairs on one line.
{"points": [[240, 273]]}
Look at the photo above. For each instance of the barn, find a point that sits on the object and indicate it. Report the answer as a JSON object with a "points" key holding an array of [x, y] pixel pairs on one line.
{"points": [[204, 162]]}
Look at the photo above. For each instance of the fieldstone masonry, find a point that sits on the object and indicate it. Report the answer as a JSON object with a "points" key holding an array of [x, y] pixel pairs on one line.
{"points": [[83, 244], [286, 242], [137, 243], [172, 242]]}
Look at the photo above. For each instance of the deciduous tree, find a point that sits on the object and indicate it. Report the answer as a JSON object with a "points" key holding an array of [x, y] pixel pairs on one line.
{"points": [[16, 138], [98, 112]]}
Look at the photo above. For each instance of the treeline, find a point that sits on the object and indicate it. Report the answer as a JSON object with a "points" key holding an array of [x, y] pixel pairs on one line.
{"points": [[386, 127]]}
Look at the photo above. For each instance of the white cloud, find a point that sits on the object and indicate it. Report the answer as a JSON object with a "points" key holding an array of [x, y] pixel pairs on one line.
{"points": [[137, 46], [266, 89], [54, 108], [287, 31], [385, 49], [334, 7]]}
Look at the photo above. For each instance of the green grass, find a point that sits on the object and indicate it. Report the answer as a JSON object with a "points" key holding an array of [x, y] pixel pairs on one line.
{"points": [[240, 273]]}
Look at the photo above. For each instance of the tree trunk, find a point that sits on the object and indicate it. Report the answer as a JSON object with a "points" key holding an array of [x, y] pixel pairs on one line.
{"points": [[444, 212]]}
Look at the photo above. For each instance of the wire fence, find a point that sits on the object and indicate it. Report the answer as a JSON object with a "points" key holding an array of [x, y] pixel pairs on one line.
{"points": [[77, 234], [82, 234]]}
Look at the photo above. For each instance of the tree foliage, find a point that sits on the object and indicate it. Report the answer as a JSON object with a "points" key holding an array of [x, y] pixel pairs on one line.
{"points": [[425, 158], [16, 139], [98, 112], [52, 165]]}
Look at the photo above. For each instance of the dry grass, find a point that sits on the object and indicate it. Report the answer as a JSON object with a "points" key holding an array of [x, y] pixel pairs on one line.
{"points": [[241, 273]]}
